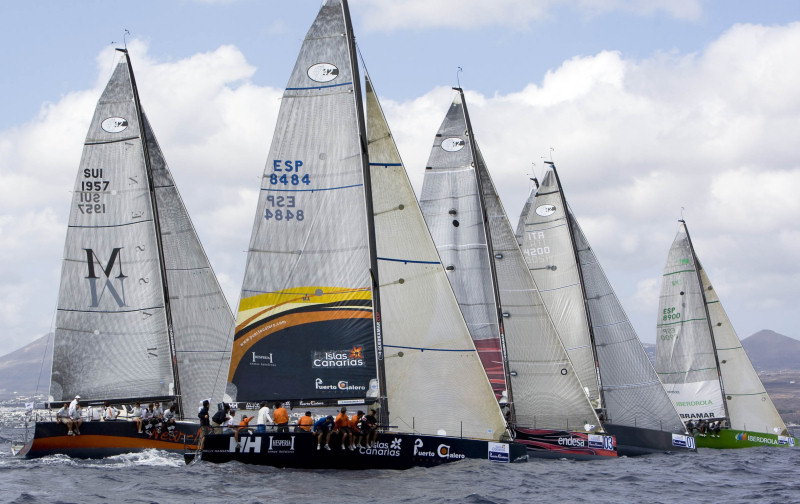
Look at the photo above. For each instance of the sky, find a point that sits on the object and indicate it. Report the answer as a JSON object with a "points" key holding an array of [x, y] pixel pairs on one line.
{"points": [[650, 109]]}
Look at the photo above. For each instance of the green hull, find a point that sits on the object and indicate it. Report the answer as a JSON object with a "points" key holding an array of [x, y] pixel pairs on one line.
{"points": [[729, 439]]}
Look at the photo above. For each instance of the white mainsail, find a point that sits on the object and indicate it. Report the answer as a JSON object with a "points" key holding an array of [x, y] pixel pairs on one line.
{"points": [[685, 357], [451, 204], [545, 391], [434, 377], [696, 324], [305, 318], [124, 253], [548, 251]]}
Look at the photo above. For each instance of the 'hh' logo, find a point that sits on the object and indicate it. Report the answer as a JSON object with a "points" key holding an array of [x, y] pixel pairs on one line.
{"points": [[93, 278], [249, 444]]}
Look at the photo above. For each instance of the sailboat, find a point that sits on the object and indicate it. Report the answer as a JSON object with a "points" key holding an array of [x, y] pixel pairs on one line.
{"points": [[602, 344], [345, 302], [140, 316], [702, 363], [521, 352]]}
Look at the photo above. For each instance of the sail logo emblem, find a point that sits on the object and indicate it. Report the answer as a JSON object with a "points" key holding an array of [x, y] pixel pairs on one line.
{"points": [[281, 445], [341, 385], [114, 124], [545, 210], [453, 144], [339, 358], [262, 360], [247, 445], [322, 72], [116, 291], [445, 452]]}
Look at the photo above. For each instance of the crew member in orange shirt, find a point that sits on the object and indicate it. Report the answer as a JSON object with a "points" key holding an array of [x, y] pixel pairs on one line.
{"points": [[341, 425], [305, 422], [355, 434], [281, 418]]}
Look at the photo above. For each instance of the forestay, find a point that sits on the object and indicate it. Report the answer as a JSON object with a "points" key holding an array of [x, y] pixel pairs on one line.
{"points": [[685, 358], [304, 328], [452, 208], [433, 374], [546, 390]]}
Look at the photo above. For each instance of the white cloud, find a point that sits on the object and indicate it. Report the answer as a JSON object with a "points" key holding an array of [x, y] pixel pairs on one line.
{"points": [[635, 140], [517, 14]]}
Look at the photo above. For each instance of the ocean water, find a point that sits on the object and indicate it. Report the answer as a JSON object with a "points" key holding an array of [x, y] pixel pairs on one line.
{"points": [[757, 475]]}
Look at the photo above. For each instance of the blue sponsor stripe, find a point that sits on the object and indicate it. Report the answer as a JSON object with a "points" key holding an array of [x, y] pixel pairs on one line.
{"points": [[422, 349], [406, 261], [386, 164], [312, 190], [318, 87]]}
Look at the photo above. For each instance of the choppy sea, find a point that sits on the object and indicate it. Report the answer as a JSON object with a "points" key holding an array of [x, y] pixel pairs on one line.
{"points": [[756, 475]]}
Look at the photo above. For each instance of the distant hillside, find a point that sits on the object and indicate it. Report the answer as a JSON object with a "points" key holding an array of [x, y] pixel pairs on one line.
{"points": [[770, 351], [767, 350], [20, 369]]}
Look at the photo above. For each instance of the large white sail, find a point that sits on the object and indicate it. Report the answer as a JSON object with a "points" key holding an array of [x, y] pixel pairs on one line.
{"points": [[451, 204], [548, 250], [632, 392], [434, 378], [694, 321], [112, 327], [307, 281], [685, 357], [111, 339], [546, 391]]}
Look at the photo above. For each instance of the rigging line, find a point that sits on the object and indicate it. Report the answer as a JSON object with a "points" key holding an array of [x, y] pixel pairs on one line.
{"points": [[422, 349], [312, 190], [407, 261], [308, 88], [44, 355]]}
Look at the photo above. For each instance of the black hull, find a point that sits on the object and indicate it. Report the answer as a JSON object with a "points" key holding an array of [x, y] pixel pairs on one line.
{"points": [[392, 451], [559, 444], [634, 441], [105, 439]]}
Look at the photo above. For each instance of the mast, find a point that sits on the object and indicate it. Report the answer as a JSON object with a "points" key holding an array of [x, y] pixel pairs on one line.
{"points": [[161, 264], [383, 414], [492, 268], [708, 317]]}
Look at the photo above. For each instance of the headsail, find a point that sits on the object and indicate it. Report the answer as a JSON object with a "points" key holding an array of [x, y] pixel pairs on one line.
{"points": [[434, 377], [307, 283], [202, 321], [113, 323], [633, 394]]}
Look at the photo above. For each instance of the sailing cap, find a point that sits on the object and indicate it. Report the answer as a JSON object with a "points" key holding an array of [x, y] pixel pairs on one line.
{"points": [[77, 397]]}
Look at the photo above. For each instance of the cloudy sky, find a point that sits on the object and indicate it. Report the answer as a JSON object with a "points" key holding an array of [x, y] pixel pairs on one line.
{"points": [[648, 107]]}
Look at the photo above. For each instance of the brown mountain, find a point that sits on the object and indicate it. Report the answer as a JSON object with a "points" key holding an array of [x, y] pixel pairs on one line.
{"points": [[21, 369], [770, 351]]}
